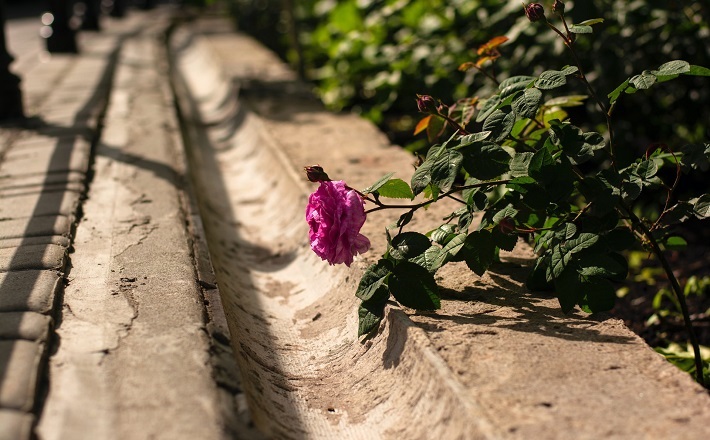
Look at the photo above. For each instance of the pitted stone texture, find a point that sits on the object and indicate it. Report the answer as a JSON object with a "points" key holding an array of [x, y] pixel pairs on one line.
{"points": [[31, 181], [32, 257], [15, 425], [29, 290], [19, 367], [41, 204], [35, 226], [29, 326]]}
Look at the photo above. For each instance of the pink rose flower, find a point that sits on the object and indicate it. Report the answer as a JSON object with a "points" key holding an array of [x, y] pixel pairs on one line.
{"points": [[335, 214]]}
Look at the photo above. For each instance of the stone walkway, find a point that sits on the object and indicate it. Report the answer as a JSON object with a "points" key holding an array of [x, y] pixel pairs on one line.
{"points": [[110, 309]]}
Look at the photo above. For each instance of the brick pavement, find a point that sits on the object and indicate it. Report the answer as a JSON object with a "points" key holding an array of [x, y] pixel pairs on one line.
{"points": [[43, 174]]}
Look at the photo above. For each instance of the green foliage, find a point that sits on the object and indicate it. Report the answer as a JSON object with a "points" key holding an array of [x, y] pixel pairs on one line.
{"points": [[536, 175]]}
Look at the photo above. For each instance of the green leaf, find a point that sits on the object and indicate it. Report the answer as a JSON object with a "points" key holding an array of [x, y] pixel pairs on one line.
{"points": [[550, 79], [643, 81], [377, 185], [568, 287], [413, 286], [614, 95], [500, 124], [373, 279], [429, 259], [584, 241], [646, 170], [370, 315], [696, 156], [541, 165], [698, 71], [526, 105], [486, 160], [702, 206], [580, 29], [569, 70], [405, 218], [599, 295], [675, 242], [612, 266], [445, 169], [435, 128], [514, 84], [396, 189], [566, 101], [489, 106], [519, 164], [619, 239], [472, 138], [591, 21], [408, 245], [673, 68], [536, 280], [479, 251], [422, 175], [442, 234]]}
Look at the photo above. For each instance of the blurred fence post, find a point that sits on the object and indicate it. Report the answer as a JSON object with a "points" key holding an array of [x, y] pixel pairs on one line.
{"points": [[11, 105], [58, 35]]}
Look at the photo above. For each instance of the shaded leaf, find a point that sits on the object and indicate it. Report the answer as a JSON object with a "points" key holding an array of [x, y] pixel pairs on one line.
{"points": [[370, 315], [414, 286], [445, 168], [373, 279], [408, 245], [550, 79], [479, 251], [500, 124], [526, 105], [488, 107]]}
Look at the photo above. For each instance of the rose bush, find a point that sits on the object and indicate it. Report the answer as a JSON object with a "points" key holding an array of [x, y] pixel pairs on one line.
{"points": [[335, 214]]}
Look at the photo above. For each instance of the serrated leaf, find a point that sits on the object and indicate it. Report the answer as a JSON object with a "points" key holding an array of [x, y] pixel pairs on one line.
{"points": [[472, 138], [599, 295], [550, 79], [514, 84], [377, 185], [500, 124], [702, 206], [612, 266], [519, 164], [373, 279], [569, 70], [486, 160], [643, 81], [584, 241], [580, 29], [673, 68], [445, 169], [396, 189], [541, 164], [646, 169], [404, 219], [414, 286], [570, 230], [408, 245], [488, 107], [479, 251], [507, 212], [566, 101], [370, 315], [442, 234], [428, 259], [526, 105]]}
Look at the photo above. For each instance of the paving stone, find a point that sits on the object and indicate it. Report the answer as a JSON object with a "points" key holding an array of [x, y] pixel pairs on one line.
{"points": [[46, 145], [77, 187], [19, 367], [35, 205], [38, 180], [48, 256], [26, 241], [30, 326], [71, 154], [35, 226], [28, 290], [16, 425]]}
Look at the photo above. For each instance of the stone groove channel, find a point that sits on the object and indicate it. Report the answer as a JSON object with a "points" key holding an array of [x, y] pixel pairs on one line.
{"points": [[488, 368]]}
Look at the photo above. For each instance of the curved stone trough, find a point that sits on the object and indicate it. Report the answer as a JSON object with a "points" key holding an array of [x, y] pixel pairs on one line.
{"points": [[495, 362]]}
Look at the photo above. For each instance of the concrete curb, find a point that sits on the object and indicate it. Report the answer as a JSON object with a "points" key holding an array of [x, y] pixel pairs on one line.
{"points": [[495, 362]]}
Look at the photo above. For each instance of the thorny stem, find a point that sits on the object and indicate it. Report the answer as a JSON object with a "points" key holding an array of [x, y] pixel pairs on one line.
{"points": [[676, 289], [456, 125], [380, 206]]}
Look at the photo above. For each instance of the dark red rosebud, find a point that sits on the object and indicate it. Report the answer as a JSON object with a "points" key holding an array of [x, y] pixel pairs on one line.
{"points": [[507, 225], [534, 12], [558, 7], [315, 173], [427, 104]]}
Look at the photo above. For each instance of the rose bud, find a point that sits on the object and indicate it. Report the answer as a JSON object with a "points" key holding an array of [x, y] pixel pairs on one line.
{"points": [[534, 12], [558, 7], [315, 173], [427, 104]]}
